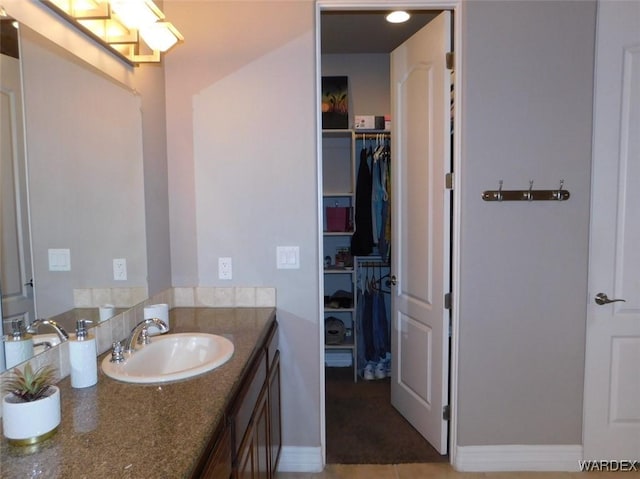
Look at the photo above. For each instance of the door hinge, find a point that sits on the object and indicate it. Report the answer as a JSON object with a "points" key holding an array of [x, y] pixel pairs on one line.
{"points": [[447, 301], [451, 60], [445, 412], [448, 181]]}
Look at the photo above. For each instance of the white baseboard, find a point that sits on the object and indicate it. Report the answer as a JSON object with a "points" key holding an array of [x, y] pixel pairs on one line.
{"points": [[517, 458], [300, 459]]}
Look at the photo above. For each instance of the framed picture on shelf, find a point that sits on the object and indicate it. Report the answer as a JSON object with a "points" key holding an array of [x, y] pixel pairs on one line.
{"points": [[335, 102]]}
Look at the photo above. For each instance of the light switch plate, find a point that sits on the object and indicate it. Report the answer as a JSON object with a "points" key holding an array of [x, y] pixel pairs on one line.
{"points": [[288, 257], [59, 259]]}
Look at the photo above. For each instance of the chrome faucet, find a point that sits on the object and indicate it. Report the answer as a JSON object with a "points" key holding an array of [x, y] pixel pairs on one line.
{"points": [[33, 328], [140, 331]]}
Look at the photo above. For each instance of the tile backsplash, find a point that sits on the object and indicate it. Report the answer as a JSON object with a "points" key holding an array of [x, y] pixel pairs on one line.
{"points": [[119, 297]]}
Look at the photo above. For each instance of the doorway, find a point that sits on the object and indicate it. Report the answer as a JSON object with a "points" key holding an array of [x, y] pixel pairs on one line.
{"points": [[336, 392]]}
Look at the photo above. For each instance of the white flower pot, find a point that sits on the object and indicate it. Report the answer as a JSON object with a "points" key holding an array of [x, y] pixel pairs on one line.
{"points": [[25, 423]]}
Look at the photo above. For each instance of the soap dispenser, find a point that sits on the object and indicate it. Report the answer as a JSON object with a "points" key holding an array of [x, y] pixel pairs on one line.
{"points": [[18, 346], [83, 357]]}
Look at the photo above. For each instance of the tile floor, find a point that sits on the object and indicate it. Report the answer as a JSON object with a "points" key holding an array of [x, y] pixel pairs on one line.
{"points": [[439, 471]]}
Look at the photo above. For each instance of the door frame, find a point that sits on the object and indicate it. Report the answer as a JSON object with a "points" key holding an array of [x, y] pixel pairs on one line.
{"points": [[454, 6]]}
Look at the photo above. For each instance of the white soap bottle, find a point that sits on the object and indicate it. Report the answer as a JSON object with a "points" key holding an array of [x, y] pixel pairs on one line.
{"points": [[18, 346], [83, 354]]}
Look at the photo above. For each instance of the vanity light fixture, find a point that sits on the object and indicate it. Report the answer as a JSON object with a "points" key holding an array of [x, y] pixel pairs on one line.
{"points": [[134, 30], [399, 16]]}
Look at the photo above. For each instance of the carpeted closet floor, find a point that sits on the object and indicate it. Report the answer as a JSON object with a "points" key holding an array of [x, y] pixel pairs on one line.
{"points": [[363, 427]]}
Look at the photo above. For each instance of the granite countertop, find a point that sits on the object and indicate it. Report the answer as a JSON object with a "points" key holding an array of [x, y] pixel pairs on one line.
{"points": [[122, 430]]}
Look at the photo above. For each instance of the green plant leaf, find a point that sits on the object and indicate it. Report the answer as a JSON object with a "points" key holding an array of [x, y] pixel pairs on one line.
{"points": [[29, 385]]}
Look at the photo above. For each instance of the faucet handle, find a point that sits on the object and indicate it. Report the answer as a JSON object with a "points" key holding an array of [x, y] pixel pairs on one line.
{"points": [[117, 353]]}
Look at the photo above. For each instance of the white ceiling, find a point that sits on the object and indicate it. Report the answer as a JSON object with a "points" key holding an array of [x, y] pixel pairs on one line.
{"points": [[367, 31]]}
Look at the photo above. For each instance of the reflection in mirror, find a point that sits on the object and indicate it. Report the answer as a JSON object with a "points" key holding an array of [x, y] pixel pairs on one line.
{"points": [[83, 137], [16, 282]]}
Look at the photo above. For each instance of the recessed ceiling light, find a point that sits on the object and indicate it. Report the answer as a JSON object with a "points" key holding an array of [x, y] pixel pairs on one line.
{"points": [[398, 16]]}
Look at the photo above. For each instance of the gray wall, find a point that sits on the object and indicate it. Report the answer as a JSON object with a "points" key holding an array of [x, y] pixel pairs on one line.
{"points": [[527, 99]]}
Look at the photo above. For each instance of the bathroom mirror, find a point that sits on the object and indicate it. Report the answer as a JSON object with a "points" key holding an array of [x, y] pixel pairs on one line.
{"points": [[83, 185]]}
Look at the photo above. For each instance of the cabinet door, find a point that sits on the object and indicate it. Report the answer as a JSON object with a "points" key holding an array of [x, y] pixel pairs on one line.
{"points": [[246, 467], [275, 423], [243, 411], [253, 453], [218, 465], [262, 436]]}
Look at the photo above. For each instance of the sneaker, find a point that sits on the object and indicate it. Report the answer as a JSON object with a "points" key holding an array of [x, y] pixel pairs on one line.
{"points": [[368, 372], [381, 370], [387, 364]]}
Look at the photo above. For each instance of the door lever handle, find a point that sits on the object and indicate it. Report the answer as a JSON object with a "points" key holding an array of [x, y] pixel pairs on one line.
{"points": [[601, 298]]}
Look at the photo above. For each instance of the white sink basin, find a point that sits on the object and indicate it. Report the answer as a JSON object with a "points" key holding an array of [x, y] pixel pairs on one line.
{"points": [[170, 357]]}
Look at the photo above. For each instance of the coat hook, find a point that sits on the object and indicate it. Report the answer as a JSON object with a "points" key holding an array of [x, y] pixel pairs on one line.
{"points": [[528, 195], [558, 193]]}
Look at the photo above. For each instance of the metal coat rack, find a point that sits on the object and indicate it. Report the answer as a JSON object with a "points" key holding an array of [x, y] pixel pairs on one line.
{"points": [[526, 195]]}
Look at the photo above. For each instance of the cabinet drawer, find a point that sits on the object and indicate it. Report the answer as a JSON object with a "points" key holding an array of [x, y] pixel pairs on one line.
{"points": [[246, 400]]}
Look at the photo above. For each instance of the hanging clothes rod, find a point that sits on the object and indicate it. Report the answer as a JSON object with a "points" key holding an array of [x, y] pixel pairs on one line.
{"points": [[526, 195], [370, 136], [373, 264]]}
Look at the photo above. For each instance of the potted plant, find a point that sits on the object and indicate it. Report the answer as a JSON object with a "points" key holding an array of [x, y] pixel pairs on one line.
{"points": [[31, 407]]}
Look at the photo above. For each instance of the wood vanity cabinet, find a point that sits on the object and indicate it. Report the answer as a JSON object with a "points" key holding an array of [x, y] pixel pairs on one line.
{"points": [[248, 443]]}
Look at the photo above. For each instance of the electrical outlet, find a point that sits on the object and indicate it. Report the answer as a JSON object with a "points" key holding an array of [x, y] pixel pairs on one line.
{"points": [[225, 270], [120, 269]]}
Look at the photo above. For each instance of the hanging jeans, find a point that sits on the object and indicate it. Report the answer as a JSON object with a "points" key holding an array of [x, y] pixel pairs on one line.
{"points": [[361, 360], [380, 326], [367, 327]]}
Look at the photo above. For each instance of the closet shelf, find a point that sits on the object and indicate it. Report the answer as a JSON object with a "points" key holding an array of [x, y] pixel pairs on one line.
{"points": [[338, 270], [337, 233], [337, 193], [344, 345], [337, 133], [339, 310]]}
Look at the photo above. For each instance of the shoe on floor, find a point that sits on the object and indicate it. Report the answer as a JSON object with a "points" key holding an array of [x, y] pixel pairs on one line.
{"points": [[381, 370], [368, 372]]}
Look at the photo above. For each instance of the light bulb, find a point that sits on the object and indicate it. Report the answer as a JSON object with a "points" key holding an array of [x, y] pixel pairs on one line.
{"points": [[398, 16]]}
